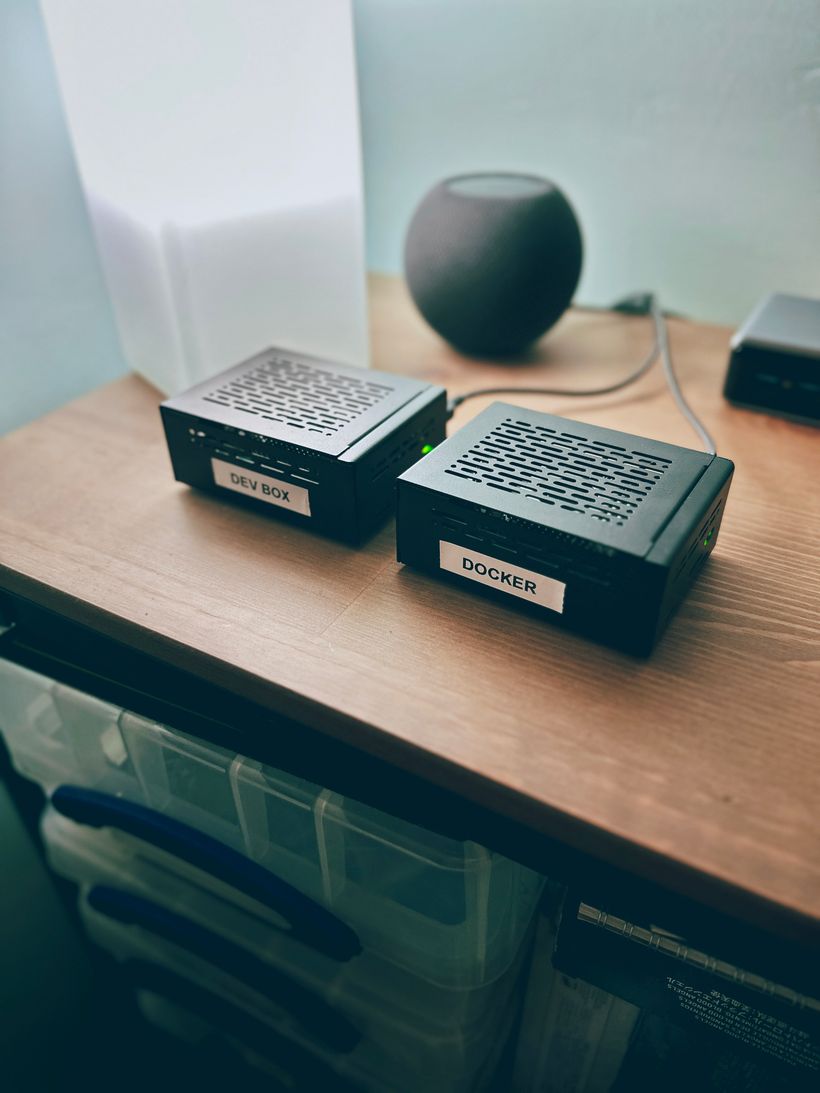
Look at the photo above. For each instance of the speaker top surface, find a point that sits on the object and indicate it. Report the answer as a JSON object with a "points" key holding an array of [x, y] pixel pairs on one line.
{"points": [[608, 487], [299, 399], [500, 185]]}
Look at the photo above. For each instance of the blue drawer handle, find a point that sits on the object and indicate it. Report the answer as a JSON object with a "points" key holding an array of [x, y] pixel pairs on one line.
{"points": [[312, 1073], [308, 922], [315, 1015]]}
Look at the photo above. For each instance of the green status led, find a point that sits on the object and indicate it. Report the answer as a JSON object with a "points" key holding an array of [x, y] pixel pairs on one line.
{"points": [[427, 448]]}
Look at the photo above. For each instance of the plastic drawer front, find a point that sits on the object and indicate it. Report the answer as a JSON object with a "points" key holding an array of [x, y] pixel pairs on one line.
{"points": [[446, 910], [381, 1052], [362, 984], [180, 1022], [186, 1013]]}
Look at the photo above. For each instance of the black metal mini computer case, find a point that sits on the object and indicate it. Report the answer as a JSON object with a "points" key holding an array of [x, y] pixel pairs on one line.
{"points": [[775, 361], [317, 443], [597, 530]]}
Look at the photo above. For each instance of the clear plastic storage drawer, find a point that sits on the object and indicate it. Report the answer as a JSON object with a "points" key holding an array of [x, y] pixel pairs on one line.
{"points": [[245, 914], [449, 911], [376, 1048], [56, 733]]}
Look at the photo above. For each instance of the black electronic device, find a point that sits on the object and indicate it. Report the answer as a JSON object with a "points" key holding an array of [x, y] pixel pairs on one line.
{"points": [[775, 360], [317, 443], [597, 530], [492, 260]]}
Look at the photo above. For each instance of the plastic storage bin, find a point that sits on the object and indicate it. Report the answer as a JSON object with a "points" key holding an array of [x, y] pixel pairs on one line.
{"points": [[449, 911], [454, 908], [378, 1048], [246, 914], [263, 1053], [57, 734], [185, 1012]]}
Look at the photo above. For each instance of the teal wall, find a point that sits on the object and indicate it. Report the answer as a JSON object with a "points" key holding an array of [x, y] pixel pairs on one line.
{"points": [[57, 332], [686, 132]]}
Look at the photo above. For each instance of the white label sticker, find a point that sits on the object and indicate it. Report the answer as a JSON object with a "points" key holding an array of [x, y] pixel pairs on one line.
{"points": [[261, 486], [535, 587]]}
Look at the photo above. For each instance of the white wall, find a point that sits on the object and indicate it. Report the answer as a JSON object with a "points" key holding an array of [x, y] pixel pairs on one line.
{"points": [[686, 132]]}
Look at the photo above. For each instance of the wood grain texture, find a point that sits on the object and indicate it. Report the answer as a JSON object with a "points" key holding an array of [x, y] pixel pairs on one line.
{"points": [[699, 767]]}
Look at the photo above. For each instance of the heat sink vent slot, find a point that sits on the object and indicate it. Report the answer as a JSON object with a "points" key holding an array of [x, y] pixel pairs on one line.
{"points": [[300, 394], [502, 540], [599, 480], [503, 523], [285, 462]]}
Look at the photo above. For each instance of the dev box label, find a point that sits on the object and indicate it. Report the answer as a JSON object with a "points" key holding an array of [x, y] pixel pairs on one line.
{"points": [[261, 486]]}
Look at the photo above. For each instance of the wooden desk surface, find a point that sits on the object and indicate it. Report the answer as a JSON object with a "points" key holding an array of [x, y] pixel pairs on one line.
{"points": [[699, 768]]}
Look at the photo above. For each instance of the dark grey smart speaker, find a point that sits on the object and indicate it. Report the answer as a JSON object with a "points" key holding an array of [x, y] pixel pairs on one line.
{"points": [[492, 260]]}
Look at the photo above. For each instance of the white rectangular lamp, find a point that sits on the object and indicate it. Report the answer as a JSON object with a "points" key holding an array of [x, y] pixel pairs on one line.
{"points": [[218, 143]]}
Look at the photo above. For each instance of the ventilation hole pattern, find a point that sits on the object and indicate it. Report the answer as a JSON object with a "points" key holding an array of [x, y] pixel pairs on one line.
{"points": [[487, 536], [291, 462], [599, 480], [301, 395], [503, 524]]}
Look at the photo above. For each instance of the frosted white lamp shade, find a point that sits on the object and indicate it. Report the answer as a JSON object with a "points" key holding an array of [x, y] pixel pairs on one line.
{"points": [[218, 144]]}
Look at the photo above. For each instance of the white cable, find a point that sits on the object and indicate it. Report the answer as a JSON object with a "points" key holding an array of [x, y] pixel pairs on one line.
{"points": [[660, 346], [662, 341]]}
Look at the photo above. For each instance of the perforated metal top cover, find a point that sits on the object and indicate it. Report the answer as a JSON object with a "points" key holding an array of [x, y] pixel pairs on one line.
{"points": [[299, 399], [598, 484]]}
